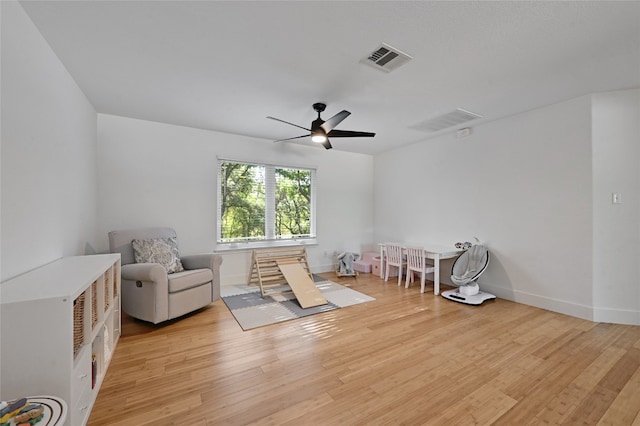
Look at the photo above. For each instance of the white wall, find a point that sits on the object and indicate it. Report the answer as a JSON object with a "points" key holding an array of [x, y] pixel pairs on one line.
{"points": [[154, 174], [48, 152], [535, 187], [616, 246], [521, 184]]}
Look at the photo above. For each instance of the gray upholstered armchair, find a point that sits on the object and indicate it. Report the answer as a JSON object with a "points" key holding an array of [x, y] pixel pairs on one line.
{"points": [[152, 294]]}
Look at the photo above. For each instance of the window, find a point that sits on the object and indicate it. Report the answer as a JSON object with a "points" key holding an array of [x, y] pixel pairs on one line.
{"points": [[261, 205]]}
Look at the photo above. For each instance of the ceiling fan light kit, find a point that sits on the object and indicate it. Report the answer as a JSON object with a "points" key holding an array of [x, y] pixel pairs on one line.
{"points": [[318, 136], [321, 130]]}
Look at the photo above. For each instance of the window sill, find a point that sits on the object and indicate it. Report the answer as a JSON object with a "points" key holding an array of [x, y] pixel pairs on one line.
{"points": [[253, 245]]}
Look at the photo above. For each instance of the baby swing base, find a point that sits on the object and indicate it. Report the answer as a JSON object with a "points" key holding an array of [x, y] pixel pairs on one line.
{"points": [[470, 299]]}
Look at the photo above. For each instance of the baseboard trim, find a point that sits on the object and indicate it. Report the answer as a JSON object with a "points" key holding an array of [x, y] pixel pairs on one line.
{"points": [[550, 304], [616, 316]]}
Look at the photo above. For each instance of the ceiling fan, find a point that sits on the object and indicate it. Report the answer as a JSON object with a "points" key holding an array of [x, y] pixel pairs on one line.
{"points": [[321, 130]]}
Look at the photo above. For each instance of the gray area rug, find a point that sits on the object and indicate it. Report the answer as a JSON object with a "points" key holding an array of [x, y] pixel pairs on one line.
{"points": [[252, 311]]}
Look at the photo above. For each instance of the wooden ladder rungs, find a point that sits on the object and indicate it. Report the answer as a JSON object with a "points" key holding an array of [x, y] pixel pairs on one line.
{"points": [[265, 270]]}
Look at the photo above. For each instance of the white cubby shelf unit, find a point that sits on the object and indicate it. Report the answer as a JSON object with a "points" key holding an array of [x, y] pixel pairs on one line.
{"points": [[59, 326]]}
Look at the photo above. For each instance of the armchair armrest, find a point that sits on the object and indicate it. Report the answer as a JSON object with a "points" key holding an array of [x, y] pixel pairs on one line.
{"points": [[143, 272], [145, 291], [207, 260], [199, 261]]}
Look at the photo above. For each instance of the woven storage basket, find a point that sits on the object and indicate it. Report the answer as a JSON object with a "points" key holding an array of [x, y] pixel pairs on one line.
{"points": [[107, 283], [78, 324], [116, 268], [94, 304]]}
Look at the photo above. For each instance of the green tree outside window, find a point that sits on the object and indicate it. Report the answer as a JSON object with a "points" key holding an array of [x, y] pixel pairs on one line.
{"points": [[263, 202]]}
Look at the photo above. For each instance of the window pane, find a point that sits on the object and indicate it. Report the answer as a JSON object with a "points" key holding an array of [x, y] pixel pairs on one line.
{"points": [[263, 205], [293, 203], [242, 202]]}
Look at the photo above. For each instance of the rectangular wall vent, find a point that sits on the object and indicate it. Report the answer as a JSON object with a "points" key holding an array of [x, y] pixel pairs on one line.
{"points": [[386, 58], [445, 121]]}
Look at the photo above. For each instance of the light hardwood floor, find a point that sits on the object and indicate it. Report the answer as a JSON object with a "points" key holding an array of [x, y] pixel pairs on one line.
{"points": [[406, 358]]}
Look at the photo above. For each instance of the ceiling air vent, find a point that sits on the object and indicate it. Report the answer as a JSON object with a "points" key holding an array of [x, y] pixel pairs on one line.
{"points": [[386, 58], [445, 121]]}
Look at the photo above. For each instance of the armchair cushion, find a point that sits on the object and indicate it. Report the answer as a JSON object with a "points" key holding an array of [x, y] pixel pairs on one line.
{"points": [[188, 279], [158, 250]]}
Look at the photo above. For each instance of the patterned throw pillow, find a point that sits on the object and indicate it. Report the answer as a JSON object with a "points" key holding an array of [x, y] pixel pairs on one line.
{"points": [[158, 250]]}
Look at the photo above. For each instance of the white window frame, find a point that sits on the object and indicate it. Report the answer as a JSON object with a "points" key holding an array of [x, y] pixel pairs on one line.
{"points": [[270, 214]]}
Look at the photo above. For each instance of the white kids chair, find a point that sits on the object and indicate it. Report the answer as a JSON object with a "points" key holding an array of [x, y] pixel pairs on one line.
{"points": [[417, 262], [394, 258]]}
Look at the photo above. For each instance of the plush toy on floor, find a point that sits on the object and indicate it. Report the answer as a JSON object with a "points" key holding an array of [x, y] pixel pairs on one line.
{"points": [[345, 265]]}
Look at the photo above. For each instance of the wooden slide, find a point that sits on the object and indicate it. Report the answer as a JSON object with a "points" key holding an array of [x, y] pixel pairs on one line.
{"points": [[274, 269], [303, 287]]}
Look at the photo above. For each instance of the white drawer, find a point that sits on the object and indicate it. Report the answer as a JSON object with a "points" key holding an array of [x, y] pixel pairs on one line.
{"points": [[79, 413], [81, 376]]}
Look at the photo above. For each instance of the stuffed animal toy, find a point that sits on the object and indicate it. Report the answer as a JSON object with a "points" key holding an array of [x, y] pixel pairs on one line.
{"points": [[346, 260]]}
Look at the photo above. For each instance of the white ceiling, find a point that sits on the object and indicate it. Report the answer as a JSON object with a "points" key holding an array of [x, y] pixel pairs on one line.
{"points": [[227, 65]]}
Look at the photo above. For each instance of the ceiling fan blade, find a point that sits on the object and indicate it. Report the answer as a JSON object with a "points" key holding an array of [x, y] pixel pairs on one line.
{"points": [[350, 134], [290, 139], [327, 144], [286, 122], [328, 125]]}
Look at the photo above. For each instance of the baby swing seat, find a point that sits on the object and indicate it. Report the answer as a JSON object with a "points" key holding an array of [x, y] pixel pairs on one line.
{"points": [[465, 272]]}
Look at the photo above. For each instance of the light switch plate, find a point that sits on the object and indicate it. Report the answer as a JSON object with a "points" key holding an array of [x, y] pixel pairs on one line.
{"points": [[616, 198]]}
